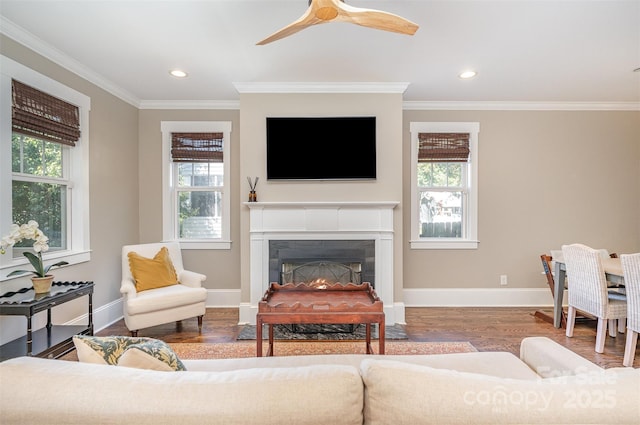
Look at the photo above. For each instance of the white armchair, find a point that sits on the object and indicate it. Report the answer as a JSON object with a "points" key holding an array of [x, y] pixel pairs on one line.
{"points": [[166, 304]]}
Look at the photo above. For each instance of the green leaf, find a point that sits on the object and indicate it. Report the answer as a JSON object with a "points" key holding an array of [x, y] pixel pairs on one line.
{"points": [[61, 263], [36, 262], [15, 272]]}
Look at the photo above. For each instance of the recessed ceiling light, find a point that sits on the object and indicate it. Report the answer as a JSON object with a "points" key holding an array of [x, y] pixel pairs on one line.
{"points": [[467, 74], [178, 73]]}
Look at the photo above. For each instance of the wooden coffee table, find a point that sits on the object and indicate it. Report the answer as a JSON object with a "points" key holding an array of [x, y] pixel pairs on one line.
{"points": [[305, 303]]}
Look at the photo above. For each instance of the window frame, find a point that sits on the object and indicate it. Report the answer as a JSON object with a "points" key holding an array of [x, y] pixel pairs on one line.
{"points": [[170, 193], [77, 222], [50, 180], [469, 239]]}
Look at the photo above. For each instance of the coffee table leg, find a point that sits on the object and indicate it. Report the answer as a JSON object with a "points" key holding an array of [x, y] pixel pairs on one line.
{"points": [[381, 337], [368, 337], [270, 353], [259, 337]]}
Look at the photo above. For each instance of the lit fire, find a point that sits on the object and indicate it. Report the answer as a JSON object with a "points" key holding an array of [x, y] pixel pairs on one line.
{"points": [[319, 283]]}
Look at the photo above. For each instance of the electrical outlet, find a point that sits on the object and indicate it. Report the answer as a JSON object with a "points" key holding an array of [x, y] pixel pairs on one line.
{"points": [[503, 280]]}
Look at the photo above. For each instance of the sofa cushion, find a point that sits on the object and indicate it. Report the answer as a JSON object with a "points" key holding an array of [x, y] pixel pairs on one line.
{"points": [[165, 298], [550, 359], [86, 393], [143, 353], [401, 393], [500, 364], [151, 273]]}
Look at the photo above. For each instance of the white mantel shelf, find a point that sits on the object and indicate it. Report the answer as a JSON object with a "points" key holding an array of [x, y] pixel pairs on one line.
{"points": [[324, 204], [321, 220]]}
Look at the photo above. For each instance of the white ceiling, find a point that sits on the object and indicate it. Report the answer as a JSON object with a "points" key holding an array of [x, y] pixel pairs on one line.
{"points": [[524, 51]]}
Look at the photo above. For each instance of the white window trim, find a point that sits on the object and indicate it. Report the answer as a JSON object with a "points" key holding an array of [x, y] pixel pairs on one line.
{"points": [[78, 250], [169, 206], [471, 239]]}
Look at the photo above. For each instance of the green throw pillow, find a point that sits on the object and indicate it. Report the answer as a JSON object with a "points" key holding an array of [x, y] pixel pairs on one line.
{"points": [[140, 352]]}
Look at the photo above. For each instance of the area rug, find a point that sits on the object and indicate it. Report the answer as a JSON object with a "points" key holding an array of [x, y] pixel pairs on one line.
{"points": [[328, 332], [228, 350]]}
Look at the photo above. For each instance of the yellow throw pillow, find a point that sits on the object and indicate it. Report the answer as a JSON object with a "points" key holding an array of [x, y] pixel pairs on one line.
{"points": [[151, 273]]}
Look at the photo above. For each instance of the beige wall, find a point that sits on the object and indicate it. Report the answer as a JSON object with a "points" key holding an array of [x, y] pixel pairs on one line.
{"points": [[222, 267], [545, 179], [113, 175], [387, 108]]}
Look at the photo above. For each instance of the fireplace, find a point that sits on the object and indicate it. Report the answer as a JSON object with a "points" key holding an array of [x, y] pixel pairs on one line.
{"points": [[321, 272], [352, 234], [341, 261]]}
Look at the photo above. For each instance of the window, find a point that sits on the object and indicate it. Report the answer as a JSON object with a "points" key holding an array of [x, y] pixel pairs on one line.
{"points": [[39, 188], [196, 175], [44, 163], [444, 200]]}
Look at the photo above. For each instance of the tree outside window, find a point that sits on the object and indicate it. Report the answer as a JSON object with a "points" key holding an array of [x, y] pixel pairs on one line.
{"points": [[38, 188]]}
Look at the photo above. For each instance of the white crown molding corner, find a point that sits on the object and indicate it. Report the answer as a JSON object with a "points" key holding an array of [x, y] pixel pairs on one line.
{"points": [[44, 49], [519, 106], [190, 104], [321, 87]]}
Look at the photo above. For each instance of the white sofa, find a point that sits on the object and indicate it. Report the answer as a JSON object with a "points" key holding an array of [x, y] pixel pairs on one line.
{"points": [[547, 385]]}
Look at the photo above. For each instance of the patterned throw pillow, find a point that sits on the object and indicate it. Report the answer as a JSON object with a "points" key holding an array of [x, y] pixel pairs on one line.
{"points": [[139, 352], [151, 273]]}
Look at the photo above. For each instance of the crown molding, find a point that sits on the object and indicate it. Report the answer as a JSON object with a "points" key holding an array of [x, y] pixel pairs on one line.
{"points": [[189, 104], [520, 106], [18, 34], [321, 87], [44, 49]]}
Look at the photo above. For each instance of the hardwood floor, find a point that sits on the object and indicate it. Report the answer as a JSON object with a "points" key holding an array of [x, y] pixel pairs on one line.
{"points": [[488, 329]]}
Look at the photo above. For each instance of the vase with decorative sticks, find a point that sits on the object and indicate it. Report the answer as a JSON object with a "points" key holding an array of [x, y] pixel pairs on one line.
{"points": [[252, 189]]}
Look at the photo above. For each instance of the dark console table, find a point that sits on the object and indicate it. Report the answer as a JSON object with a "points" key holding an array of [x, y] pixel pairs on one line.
{"points": [[52, 341]]}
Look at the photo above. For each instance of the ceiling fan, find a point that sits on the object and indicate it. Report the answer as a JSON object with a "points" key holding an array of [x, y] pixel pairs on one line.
{"points": [[323, 11]]}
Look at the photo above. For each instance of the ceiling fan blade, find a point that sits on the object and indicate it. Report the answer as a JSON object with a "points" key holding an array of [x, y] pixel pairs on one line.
{"points": [[376, 19], [305, 21], [322, 11]]}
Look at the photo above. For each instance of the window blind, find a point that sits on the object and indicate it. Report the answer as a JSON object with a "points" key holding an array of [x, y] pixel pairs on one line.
{"points": [[41, 115], [443, 147], [196, 147]]}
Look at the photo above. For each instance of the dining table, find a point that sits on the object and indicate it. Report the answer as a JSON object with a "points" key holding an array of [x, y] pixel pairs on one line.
{"points": [[613, 272]]}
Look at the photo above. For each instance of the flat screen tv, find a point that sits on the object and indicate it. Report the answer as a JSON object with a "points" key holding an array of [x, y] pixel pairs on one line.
{"points": [[321, 148]]}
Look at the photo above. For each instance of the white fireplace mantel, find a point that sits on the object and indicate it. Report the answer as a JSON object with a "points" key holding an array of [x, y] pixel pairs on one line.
{"points": [[320, 221]]}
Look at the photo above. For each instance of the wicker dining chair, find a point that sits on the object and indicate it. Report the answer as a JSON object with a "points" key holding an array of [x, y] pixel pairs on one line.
{"points": [[631, 270], [588, 292], [540, 314]]}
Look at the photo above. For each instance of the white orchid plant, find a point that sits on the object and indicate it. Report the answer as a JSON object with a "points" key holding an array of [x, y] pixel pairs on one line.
{"points": [[31, 231]]}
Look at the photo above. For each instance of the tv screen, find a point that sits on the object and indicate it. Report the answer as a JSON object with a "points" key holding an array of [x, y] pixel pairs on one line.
{"points": [[326, 148]]}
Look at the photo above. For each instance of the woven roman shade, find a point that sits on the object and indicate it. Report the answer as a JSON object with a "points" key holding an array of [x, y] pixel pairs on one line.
{"points": [[443, 147], [41, 115], [196, 147]]}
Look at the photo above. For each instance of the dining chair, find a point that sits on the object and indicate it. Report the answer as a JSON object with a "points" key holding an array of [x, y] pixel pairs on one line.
{"points": [[588, 292], [631, 271], [547, 268]]}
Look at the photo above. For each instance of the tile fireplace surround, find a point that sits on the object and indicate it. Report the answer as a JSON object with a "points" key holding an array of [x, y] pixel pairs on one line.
{"points": [[321, 221]]}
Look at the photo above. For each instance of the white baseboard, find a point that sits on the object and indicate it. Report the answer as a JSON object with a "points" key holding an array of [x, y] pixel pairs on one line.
{"points": [[223, 298], [106, 315], [478, 297]]}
